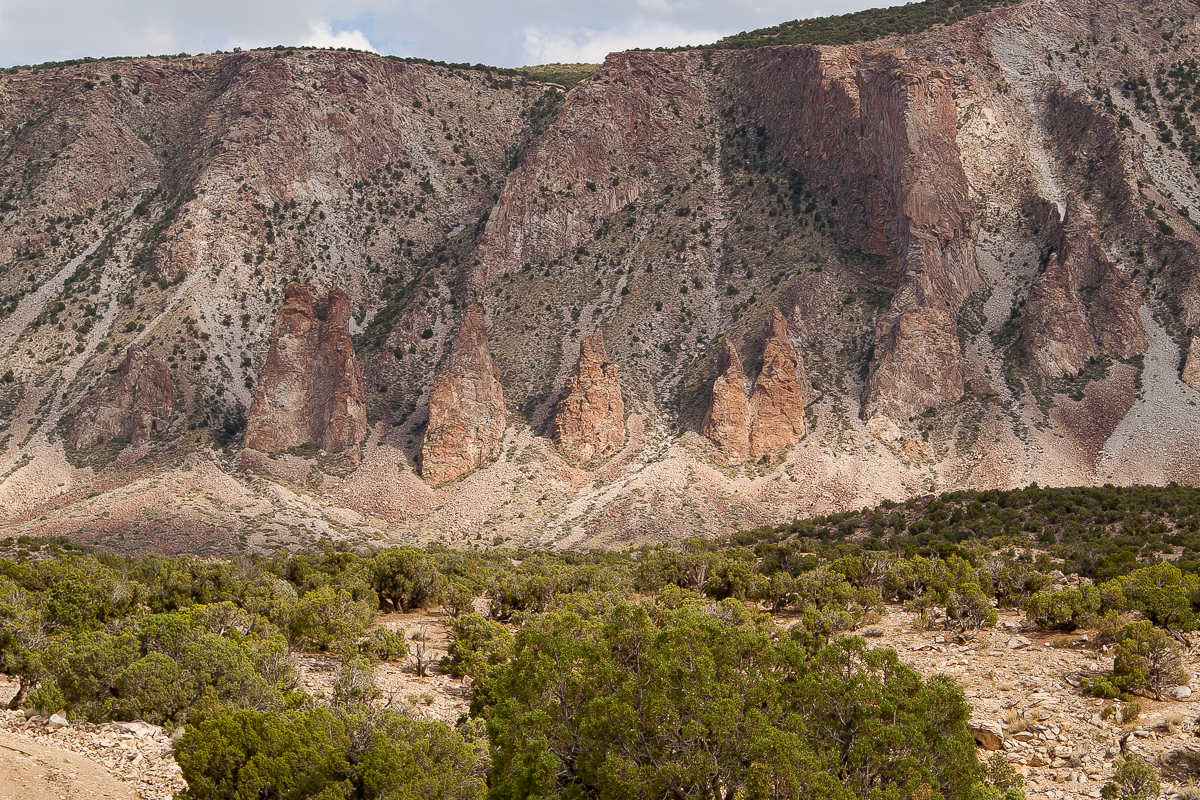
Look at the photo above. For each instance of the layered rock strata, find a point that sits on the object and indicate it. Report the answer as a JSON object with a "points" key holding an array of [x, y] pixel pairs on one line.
{"points": [[138, 405], [466, 407], [310, 390], [589, 422]]}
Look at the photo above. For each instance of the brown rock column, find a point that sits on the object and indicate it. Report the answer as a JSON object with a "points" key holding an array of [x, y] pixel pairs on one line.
{"points": [[466, 407], [139, 404], [590, 420], [311, 388], [777, 402], [727, 423]]}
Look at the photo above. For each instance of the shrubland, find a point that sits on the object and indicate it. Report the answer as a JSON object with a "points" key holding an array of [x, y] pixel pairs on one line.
{"points": [[729, 668]]}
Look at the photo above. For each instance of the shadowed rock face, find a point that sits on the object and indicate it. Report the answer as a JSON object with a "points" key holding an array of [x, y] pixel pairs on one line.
{"points": [[777, 402], [590, 420], [311, 388], [1062, 328], [141, 403], [466, 407], [727, 423]]}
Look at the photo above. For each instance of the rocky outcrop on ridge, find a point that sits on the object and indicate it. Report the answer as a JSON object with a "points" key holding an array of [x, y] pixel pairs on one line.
{"points": [[466, 407], [589, 422], [138, 405], [727, 421], [310, 390]]}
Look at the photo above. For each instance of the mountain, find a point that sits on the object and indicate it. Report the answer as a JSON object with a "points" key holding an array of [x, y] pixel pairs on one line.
{"points": [[962, 256]]}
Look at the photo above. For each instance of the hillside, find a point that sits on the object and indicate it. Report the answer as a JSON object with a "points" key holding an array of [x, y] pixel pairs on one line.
{"points": [[254, 300]]}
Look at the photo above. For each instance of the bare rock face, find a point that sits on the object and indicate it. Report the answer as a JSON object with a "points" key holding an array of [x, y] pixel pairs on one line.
{"points": [[888, 123], [311, 388], [590, 420], [918, 364], [1081, 306], [777, 402], [466, 407], [138, 405], [1191, 366], [727, 422]]}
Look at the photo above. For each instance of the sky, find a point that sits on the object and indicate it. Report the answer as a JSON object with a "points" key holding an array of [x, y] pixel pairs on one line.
{"points": [[505, 33]]}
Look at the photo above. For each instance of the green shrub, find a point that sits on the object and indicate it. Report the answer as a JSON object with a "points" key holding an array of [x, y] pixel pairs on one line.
{"points": [[1064, 610], [594, 708], [1134, 778], [1147, 657]]}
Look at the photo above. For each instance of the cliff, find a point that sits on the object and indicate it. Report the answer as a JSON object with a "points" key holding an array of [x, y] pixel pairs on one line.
{"points": [[950, 226]]}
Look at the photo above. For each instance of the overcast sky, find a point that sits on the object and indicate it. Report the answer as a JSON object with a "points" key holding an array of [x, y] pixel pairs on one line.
{"points": [[505, 33]]}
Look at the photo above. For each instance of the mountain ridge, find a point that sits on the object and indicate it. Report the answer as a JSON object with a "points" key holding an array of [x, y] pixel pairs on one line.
{"points": [[919, 208]]}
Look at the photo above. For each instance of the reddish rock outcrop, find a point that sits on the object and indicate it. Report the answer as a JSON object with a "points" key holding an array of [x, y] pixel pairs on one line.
{"points": [[139, 404], [466, 407], [1191, 366], [727, 422], [311, 388], [880, 131], [590, 420], [1081, 306], [778, 400]]}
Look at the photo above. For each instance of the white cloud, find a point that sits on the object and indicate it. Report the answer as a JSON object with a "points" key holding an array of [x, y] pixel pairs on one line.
{"points": [[588, 46], [321, 35]]}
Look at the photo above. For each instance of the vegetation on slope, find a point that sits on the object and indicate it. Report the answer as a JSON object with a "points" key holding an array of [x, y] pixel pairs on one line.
{"points": [[863, 26], [580, 661]]}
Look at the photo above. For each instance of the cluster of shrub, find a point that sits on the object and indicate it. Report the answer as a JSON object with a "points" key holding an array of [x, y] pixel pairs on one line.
{"points": [[863, 26], [664, 672]]}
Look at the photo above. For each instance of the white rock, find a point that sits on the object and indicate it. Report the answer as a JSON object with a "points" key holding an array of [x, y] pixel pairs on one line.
{"points": [[1180, 692], [56, 721]]}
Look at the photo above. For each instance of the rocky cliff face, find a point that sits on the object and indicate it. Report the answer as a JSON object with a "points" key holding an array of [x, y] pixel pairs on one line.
{"points": [[466, 407], [589, 422], [771, 419], [139, 404], [310, 390], [1061, 330], [901, 199], [879, 130], [727, 421]]}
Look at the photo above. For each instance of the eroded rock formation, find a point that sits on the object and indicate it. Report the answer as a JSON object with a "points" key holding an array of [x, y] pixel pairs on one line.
{"points": [[889, 123], [778, 400], [138, 405], [1191, 365], [466, 407], [727, 422], [589, 422], [1081, 306], [311, 388]]}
